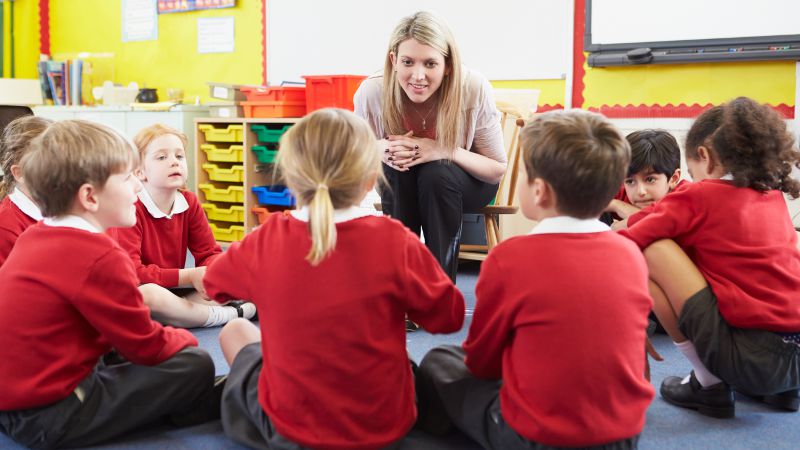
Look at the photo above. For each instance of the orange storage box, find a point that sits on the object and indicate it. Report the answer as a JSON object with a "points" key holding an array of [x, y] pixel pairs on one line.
{"points": [[275, 93], [266, 109], [331, 91]]}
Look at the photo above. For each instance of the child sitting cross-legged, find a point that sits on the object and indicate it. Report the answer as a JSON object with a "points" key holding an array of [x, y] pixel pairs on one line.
{"points": [[328, 367], [555, 352], [170, 221], [69, 294]]}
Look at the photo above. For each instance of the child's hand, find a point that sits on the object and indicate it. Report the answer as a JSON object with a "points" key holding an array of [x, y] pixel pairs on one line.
{"points": [[196, 277], [651, 351]]}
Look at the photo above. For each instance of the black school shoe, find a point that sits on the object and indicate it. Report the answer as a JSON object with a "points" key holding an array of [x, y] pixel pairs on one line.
{"points": [[411, 326], [713, 401], [787, 401]]}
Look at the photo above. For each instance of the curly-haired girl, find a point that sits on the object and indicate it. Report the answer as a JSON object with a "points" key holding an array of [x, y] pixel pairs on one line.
{"points": [[724, 264]]}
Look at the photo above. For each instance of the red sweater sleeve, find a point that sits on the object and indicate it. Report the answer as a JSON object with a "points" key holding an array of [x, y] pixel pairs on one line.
{"points": [[119, 314], [434, 302], [130, 239], [201, 240], [676, 215], [490, 331], [7, 239], [228, 266]]}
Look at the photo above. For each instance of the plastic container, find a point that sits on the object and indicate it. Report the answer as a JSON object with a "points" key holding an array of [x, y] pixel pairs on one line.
{"points": [[229, 234], [233, 175], [271, 109], [233, 213], [334, 91], [226, 91], [268, 135], [263, 154], [231, 133], [230, 194], [261, 213], [275, 94], [274, 195], [215, 153]]}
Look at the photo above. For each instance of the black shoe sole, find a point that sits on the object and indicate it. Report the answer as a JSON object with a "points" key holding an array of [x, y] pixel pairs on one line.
{"points": [[718, 412], [781, 402]]}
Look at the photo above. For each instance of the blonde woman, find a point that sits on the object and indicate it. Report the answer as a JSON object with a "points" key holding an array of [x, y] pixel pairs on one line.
{"points": [[440, 137], [328, 367]]}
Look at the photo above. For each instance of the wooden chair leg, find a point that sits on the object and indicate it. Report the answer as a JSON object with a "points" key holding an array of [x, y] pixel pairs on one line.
{"points": [[496, 224], [491, 231]]}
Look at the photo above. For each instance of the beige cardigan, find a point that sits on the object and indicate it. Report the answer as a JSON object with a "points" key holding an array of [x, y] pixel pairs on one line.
{"points": [[482, 133]]}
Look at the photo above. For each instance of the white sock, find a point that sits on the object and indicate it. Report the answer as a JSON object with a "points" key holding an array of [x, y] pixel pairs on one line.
{"points": [[249, 310], [702, 374], [220, 315]]}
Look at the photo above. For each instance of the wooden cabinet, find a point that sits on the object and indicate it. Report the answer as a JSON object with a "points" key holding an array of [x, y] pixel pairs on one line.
{"points": [[227, 169]]}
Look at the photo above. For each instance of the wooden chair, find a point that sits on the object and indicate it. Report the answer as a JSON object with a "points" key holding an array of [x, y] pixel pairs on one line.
{"points": [[511, 123]]}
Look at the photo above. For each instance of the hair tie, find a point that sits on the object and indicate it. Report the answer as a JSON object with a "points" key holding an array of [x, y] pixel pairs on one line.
{"points": [[322, 186]]}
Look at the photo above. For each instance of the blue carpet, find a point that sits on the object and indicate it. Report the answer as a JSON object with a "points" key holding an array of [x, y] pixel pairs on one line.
{"points": [[668, 427]]}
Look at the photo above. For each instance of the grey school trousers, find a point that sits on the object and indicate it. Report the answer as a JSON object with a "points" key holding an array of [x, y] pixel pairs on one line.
{"points": [[117, 398]]}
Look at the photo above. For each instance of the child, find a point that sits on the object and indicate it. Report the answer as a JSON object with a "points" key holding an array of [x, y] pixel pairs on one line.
{"points": [[169, 220], [68, 295], [549, 361], [329, 367], [17, 210], [726, 285], [654, 172]]}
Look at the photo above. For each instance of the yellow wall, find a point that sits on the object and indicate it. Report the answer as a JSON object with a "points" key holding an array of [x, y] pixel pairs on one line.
{"points": [[171, 61], [770, 82], [26, 38]]}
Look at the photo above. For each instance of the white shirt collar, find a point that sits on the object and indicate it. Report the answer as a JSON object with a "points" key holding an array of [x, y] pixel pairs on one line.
{"points": [[25, 204], [566, 224], [339, 215], [728, 177], [71, 222], [178, 206]]}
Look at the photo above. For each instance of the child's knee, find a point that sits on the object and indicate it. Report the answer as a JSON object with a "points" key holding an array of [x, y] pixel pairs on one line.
{"points": [[195, 362], [661, 248], [236, 328]]}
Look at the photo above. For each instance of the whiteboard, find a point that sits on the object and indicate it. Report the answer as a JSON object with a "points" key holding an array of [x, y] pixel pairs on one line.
{"points": [[503, 39], [645, 21]]}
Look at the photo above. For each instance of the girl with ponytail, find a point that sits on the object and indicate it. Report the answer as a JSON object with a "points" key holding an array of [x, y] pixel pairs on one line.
{"points": [[724, 264], [328, 367]]}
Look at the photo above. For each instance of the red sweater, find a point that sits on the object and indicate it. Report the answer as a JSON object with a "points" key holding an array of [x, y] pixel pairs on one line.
{"points": [[571, 360], [158, 246], [68, 296], [336, 373], [744, 244], [12, 223]]}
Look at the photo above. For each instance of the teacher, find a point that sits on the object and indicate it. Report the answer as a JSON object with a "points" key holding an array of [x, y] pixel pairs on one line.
{"points": [[439, 132]]}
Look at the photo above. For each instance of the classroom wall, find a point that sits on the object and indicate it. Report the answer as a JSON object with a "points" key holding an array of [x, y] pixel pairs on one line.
{"points": [[171, 61], [26, 38]]}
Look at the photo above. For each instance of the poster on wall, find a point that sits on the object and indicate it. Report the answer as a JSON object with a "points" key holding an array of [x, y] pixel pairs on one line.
{"points": [[215, 35], [139, 20], [171, 6]]}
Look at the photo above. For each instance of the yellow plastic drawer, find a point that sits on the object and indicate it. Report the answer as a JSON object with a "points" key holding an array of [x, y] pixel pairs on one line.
{"points": [[230, 234], [230, 194], [223, 154], [231, 133], [234, 213], [233, 175]]}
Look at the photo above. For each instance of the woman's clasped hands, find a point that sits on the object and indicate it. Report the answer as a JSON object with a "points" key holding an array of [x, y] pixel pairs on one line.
{"points": [[404, 151]]}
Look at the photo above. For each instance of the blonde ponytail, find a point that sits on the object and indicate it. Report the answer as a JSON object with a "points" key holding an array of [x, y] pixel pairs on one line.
{"points": [[320, 223], [327, 159]]}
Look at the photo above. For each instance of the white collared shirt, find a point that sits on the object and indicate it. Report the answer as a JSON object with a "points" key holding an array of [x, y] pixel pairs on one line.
{"points": [[339, 215], [178, 206], [25, 204], [566, 224], [728, 177], [71, 222]]}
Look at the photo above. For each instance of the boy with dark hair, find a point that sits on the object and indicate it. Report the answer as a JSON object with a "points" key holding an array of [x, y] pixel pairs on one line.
{"points": [[654, 172], [69, 295], [541, 326]]}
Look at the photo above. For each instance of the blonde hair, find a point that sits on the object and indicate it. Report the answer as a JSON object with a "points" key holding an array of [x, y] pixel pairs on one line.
{"points": [[581, 155], [69, 154], [149, 134], [15, 142], [430, 30], [327, 159]]}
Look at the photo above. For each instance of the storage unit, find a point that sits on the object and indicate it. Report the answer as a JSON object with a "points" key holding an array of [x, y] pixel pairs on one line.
{"points": [[331, 91], [225, 187], [275, 195]]}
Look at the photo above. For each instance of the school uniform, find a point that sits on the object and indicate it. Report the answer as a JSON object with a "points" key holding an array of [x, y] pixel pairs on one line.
{"points": [[554, 355], [335, 370], [744, 244], [158, 242], [17, 212], [622, 195], [642, 213], [69, 295]]}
